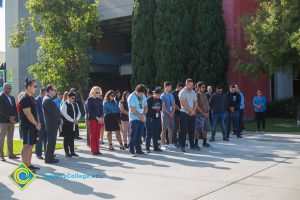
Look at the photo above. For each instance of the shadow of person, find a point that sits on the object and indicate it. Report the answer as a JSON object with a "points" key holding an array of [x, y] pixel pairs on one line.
{"points": [[72, 186], [5, 192]]}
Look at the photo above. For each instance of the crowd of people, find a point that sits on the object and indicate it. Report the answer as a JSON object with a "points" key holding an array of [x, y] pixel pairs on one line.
{"points": [[162, 119]]}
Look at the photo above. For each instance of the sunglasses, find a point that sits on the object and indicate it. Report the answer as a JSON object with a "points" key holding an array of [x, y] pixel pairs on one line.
{"points": [[113, 95], [35, 86], [97, 92]]}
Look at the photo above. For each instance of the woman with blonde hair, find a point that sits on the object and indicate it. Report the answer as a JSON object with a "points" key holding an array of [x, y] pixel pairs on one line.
{"points": [[65, 97], [95, 117]]}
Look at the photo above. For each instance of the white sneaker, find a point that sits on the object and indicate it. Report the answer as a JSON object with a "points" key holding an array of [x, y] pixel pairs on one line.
{"points": [[172, 146], [163, 147]]}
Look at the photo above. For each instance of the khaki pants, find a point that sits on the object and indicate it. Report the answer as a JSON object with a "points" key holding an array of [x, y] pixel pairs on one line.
{"points": [[6, 129]]}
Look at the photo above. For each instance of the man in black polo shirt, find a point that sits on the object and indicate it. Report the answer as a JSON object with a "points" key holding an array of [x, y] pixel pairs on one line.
{"points": [[30, 124], [153, 120]]}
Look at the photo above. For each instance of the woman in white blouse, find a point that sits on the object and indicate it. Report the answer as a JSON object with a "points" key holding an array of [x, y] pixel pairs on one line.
{"points": [[71, 115]]}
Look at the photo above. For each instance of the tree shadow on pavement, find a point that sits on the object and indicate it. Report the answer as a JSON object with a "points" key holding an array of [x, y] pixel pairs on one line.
{"points": [[5, 192]]}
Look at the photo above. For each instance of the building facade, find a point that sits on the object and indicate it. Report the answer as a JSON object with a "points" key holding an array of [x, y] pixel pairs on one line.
{"points": [[111, 65]]}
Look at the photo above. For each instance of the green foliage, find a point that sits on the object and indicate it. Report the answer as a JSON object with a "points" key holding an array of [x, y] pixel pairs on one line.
{"points": [[66, 28], [170, 33], [209, 50], [286, 108], [19, 37], [274, 38], [189, 41], [143, 41]]}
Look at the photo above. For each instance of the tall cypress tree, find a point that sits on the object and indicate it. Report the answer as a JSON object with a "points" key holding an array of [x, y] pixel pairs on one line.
{"points": [[143, 41], [169, 54], [209, 50]]}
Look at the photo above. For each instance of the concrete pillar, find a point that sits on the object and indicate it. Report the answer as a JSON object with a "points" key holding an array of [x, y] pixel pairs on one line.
{"points": [[283, 85]]}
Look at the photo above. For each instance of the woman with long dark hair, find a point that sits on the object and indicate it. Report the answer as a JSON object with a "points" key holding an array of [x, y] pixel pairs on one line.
{"points": [[111, 118], [123, 105]]}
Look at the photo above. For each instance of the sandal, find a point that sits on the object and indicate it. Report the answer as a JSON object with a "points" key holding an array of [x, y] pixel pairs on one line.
{"points": [[111, 148]]}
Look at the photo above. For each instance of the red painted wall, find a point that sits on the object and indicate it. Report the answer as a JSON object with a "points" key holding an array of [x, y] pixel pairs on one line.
{"points": [[233, 10]]}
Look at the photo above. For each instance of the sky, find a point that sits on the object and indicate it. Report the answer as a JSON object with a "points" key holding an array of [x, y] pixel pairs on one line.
{"points": [[2, 25]]}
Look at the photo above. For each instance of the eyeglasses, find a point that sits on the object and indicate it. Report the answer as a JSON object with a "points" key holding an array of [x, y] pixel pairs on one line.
{"points": [[113, 96], [97, 92]]}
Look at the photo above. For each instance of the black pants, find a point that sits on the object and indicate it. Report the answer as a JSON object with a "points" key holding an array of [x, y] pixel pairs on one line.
{"points": [[260, 119], [187, 126], [69, 143], [242, 126], [51, 142], [76, 130]]}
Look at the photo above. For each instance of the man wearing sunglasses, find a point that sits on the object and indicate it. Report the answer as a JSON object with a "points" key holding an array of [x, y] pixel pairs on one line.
{"points": [[218, 106], [8, 117], [52, 121]]}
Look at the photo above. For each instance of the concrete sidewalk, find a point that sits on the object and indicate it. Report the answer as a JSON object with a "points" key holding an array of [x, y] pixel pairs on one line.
{"points": [[259, 167]]}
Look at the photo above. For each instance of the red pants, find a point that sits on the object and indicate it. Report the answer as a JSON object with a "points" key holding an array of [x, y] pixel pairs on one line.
{"points": [[95, 129]]}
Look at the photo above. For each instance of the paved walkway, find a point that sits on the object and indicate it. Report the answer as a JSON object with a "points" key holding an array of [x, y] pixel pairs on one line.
{"points": [[259, 167]]}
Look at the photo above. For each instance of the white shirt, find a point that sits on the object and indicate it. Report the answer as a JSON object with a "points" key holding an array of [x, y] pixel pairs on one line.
{"points": [[63, 110]]}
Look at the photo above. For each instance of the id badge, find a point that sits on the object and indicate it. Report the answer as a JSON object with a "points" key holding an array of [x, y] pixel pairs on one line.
{"points": [[157, 115], [141, 111]]}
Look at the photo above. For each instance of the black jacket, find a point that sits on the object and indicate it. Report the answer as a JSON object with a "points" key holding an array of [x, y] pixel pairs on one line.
{"points": [[218, 103], [6, 109], [233, 100], [51, 114]]}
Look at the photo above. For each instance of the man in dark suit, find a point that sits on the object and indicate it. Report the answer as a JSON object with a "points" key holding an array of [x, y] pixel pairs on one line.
{"points": [[52, 121], [8, 118]]}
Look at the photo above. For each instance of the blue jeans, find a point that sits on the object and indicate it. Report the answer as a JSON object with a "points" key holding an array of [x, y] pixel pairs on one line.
{"points": [[216, 117], [152, 131], [41, 142], [136, 132], [187, 127], [233, 119]]}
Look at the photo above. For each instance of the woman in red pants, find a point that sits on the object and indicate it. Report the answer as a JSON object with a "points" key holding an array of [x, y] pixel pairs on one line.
{"points": [[95, 117]]}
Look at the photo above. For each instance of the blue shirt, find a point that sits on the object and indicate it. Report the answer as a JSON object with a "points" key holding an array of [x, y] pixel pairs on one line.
{"points": [[259, 101], [58, 101], [39, 103], [110, 107], [169, 101], [139, 103], [242, 106]]}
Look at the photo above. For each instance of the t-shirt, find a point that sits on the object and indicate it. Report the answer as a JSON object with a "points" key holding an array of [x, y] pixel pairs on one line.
{"points": [[139, 103], [28, 102], [189, 96], [203, 103], [169, 101], [177, 101], [154, 107]]}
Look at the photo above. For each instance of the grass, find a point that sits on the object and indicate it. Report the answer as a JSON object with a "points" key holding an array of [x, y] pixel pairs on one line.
{"points": [[18, 145], [272, 125], [275, 125]]}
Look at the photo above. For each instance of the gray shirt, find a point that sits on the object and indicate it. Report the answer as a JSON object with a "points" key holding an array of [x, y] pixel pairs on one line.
{"points": [[189, 96]]}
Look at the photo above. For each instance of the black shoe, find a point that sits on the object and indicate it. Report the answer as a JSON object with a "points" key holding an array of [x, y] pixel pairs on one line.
{"points": [[40, 157], [97, 153], [225, 139], [122, 147], [140, 152], [78, 138], [158, 150], [206, 145], [239, 136], [2, 159], [68, 155], [126, 146], [13, 157], [51, 161], [195, 148], [148, 150], [182, 149], [74, 154], [212, 139], [33, 168]]}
